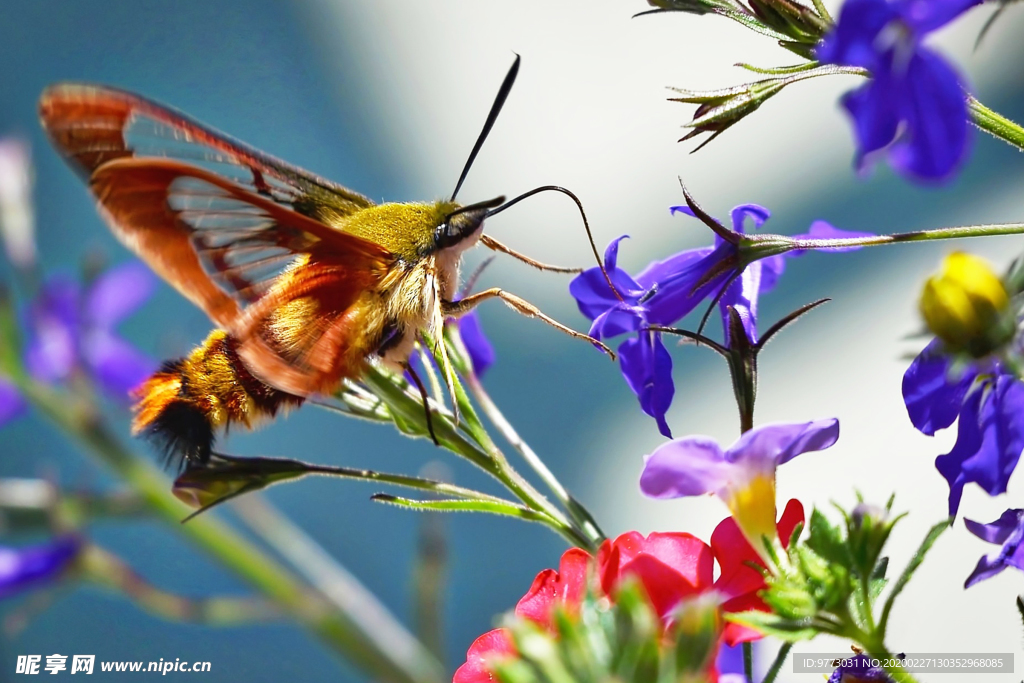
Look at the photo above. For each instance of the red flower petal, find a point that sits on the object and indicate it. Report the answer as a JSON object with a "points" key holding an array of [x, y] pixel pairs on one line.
{"points": [[791, 516], [488, 646], [664, 584], [670, 566], [738, 582], [568, 586], [737, 633]]}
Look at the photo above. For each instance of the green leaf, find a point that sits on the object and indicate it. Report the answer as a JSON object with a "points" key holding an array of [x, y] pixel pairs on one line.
{"points": [[770, 624], [1020, 608], [826, 540], [494, 507], [10, 343]]}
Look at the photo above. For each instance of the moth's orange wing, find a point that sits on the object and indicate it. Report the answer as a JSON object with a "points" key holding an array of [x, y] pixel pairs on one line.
{"points": [[228, 238], [93, 124]]}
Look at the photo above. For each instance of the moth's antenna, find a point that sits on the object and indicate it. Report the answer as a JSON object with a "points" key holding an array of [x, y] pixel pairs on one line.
{"points": [[499, 102], [586, 224]]}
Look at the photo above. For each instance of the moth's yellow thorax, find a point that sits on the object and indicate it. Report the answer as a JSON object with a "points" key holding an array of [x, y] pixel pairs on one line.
{"points": [[406, 230]]}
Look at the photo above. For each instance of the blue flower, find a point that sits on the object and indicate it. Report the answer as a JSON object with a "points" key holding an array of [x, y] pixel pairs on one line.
{"points": [[989, 402], [914, 104], [666, 291], [481, 353], [858, 669], [22, 568], [69, 330], [1007, 531]]}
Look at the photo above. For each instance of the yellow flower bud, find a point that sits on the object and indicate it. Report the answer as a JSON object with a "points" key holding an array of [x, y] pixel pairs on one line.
{"points": [[966, 305]]}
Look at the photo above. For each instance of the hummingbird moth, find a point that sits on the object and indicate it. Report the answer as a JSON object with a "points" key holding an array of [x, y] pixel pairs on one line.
{"points": [[306, 280]]}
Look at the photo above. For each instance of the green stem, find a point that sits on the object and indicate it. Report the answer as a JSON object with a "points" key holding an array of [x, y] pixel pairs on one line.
{"points": [[748, 661], [482, 452], [338, 630], [577, 511], [102, 568], [776, 666], [995, 124], [768, 245]]}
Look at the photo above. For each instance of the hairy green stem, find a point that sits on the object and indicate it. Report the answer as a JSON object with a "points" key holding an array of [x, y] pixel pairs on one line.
{"points": [[579, 513], [995, 124], [481, 451], [775, 244]]}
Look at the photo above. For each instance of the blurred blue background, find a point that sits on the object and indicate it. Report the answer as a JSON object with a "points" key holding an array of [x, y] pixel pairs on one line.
{"points": [[387, 97]]}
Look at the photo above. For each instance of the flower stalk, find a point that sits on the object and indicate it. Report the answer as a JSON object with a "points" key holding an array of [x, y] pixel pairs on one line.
{"points": [[995, 124]]}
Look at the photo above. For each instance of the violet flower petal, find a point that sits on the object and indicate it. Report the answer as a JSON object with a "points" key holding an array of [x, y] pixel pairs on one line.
{"points": [[924, 16], [754, 212], [54, 326], [22, 567], [853, 40], [932, 397], [11, 403], [985, 569], [990, 438], [591, 291], [781, 442], [772, 269], [1010, 532], [118, 292], [999, 530], [691, 466], [742, 295], [481, 353], [678, 293], [874, 108], [117, 365], [935, 142], [647, 367], [660, 270]]}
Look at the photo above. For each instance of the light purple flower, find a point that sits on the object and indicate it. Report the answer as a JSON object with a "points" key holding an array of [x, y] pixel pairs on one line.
{"points": [[989, 403], [1007, 531], [743, 475], [23, 568]]}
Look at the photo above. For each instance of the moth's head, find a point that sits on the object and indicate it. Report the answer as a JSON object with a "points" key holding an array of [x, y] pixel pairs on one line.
{"points": [[460, 226]]}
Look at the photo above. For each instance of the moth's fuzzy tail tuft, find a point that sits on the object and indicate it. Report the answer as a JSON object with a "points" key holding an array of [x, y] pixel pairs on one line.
{"points": [[182, 406]]}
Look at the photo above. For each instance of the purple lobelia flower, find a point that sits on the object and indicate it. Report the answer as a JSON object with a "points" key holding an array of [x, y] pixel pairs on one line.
{"points": [[914, 104], [1007, 531], [859, 669], [22, 568], [481, 353], [666, 291], [989, 402], [69, 330], [11, 403], [743, 475]]}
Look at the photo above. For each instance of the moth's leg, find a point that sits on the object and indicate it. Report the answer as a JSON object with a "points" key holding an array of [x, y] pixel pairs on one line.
{"points": [[495, 245], [426, 400], [463, 306]]}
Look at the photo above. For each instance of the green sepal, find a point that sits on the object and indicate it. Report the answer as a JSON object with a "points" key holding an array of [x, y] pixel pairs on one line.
{"points": [[772, 625]]}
